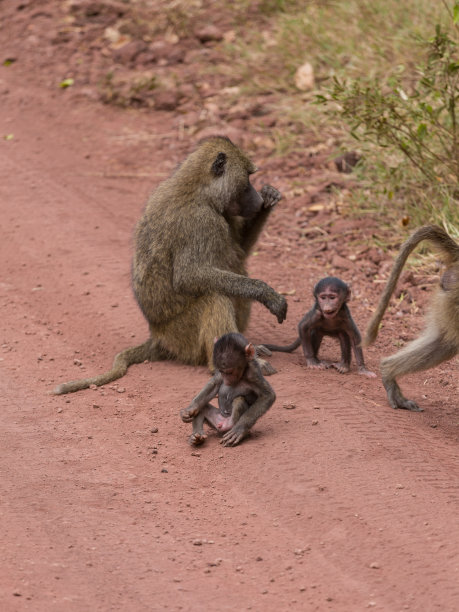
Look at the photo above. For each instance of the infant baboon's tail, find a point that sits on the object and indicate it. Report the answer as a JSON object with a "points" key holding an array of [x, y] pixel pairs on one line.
{"points": [[283, 349]]}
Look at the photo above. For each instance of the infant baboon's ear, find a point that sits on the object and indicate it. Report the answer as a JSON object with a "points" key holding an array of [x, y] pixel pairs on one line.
{"points": [[218, 167], [249, 351]]}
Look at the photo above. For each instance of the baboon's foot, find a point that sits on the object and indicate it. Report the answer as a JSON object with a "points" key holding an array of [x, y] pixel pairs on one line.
{"points": [[197, 438]]}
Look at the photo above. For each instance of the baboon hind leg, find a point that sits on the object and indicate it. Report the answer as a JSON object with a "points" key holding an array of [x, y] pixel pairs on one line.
{"points": [[424, 353]]}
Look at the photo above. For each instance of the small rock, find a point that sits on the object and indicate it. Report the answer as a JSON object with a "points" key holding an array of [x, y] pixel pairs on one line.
{"points": [[345, 162], [166, 100], [289, 406], [341, 262], [121, 390], [315, 422], [197, 542], [154, 430], [208, 33], [304, 77], [374, 565], [128, 52], [164, 471]]}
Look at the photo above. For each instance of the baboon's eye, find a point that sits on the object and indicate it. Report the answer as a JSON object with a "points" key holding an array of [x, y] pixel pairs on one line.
{"points": [[218, 167]]}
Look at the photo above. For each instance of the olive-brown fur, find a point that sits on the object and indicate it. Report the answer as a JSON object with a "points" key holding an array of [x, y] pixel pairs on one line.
{"points": [[191, 245], [440, 339]]}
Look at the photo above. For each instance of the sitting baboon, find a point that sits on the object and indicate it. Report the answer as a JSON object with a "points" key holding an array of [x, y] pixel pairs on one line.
{"points": [[244, 395], [191, 245], [440, 339]]}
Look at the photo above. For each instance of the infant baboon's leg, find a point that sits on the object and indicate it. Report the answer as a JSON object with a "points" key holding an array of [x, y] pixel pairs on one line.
{"points": [[198, 436]]}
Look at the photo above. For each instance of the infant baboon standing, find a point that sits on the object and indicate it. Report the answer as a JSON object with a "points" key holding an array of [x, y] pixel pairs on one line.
{"points": [[191, 245]]}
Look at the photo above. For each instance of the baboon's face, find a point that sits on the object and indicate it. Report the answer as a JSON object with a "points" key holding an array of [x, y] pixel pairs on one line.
{"points": [[232, 365], [247, 204]]}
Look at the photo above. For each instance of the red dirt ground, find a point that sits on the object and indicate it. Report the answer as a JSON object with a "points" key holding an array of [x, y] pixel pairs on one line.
{"points": [[335, 503]]}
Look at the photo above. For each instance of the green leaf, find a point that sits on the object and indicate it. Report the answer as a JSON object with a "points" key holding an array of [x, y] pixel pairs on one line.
{"points": [[422, 131], [66, 83], [8, 136], [456, 13]]}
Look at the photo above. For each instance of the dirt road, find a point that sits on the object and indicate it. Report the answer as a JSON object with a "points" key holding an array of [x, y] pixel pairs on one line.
{"points": [[336, 502]]}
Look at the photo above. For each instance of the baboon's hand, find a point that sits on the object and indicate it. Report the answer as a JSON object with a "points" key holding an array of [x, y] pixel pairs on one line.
{"points": [[271, 196], [234, 435], [189, 413], [278, 306]]}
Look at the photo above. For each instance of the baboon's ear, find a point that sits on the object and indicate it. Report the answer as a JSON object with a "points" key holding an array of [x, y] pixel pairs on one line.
{"points": [[249, 351], [218, 167]]}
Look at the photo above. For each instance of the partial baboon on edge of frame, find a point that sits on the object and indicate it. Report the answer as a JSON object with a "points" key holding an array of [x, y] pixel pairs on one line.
{"points": [[191, 245], [440, 339]]}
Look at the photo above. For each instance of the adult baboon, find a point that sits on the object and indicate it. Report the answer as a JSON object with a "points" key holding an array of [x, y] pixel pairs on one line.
{"points": [[191, 245], [440, 339]]}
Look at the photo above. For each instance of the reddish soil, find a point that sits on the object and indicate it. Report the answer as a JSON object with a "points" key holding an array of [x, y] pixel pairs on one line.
{"points": [[335, 502]]}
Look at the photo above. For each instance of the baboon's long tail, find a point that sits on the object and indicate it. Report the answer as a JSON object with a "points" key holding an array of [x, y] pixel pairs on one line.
{"points": [[135, 354], [428, 232], [284, 349]]}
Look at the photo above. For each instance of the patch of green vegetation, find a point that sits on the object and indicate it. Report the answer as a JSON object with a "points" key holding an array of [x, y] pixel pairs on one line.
{"points": [[387, 74]]}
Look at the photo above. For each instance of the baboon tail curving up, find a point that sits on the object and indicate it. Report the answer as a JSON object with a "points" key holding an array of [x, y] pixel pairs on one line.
{"points": [[442, 241]]}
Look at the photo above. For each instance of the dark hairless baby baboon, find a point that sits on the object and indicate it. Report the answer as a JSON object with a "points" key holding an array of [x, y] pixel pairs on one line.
{"points": [[244, 395], [329, 316], [191, 245]]}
